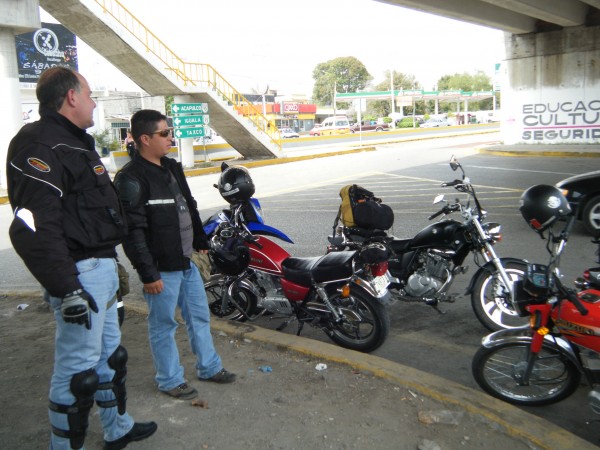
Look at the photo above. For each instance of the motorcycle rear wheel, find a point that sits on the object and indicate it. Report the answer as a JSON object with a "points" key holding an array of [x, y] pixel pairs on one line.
{"points": [[491, 302], [366, 322], [498, 371], [216, 288]]}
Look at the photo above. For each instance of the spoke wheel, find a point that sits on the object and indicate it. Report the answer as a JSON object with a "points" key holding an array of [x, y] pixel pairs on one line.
{"points": [[500, 372], [491, 300], [221, 305], [365, 324]]}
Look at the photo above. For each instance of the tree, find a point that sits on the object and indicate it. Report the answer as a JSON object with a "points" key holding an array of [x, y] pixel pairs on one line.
{"points": [[344, 74], [467, 82], [382, 108]]}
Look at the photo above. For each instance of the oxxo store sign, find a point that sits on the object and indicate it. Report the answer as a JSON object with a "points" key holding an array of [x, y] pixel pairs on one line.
{"points": [[290, 108]]}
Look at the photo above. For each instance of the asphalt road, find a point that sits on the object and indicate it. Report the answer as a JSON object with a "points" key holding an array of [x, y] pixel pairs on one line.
{"points": [[444, 344]]}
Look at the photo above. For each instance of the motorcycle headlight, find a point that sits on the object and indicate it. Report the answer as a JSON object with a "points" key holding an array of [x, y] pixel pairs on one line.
{"points": [[493, 231]]}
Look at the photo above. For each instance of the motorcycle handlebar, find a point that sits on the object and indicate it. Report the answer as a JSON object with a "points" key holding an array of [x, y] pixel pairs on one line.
{"points": [[572, 296], [452, 183], [440, 212]]}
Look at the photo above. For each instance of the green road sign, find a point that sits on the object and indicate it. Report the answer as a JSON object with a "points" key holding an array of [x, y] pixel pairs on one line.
{"points": [[189, 108], [189, 132], [186, 121]]}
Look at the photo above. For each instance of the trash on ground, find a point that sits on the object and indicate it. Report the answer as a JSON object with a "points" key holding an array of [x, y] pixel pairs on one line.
{"points": [[22, 306], [321, 366], [200, 403], [265, 369], [441, 416]]}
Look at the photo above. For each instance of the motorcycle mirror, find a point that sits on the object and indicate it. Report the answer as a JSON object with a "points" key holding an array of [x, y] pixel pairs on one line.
{"points": [[454, 164], [438, 199]]}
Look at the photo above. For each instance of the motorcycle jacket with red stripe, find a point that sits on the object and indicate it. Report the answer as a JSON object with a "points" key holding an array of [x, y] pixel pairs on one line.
{"points": [[153, 243], [65, 207]]}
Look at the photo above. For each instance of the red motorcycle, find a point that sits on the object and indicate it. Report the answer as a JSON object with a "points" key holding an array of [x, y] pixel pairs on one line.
{"points": [[344, 293], [543, 362]]}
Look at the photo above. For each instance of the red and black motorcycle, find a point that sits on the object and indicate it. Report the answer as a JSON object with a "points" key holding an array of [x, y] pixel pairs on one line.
{"points": [[344, 293], [543, 363]]}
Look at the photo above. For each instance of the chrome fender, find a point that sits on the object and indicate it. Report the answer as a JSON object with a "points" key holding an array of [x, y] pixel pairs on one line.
{"points": [[385, 298], [522, 335]]}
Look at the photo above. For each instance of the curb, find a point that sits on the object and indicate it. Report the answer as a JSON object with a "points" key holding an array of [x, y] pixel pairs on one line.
{"points": [[508, 418]]}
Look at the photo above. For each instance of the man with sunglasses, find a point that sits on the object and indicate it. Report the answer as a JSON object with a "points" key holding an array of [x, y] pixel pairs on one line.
{"points": [[67, 222], [164, 230]]}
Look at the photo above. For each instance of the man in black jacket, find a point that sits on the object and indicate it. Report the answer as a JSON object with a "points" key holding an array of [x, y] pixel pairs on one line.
{"points": [[67, 222], [164, 229]]}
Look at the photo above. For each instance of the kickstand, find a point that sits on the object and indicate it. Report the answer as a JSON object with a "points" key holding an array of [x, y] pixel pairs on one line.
{"points": [[300, 327], [285, 324]]}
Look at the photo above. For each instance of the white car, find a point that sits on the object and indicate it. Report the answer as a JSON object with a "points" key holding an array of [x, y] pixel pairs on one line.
{"points": [[288, 133], [432, 123]]}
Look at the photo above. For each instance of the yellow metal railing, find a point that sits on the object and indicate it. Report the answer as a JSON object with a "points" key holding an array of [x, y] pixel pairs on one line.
{"points": [[191, 74]]}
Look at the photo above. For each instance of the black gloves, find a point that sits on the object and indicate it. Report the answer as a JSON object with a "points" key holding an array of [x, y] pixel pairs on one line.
{"points": [[75, 308]]}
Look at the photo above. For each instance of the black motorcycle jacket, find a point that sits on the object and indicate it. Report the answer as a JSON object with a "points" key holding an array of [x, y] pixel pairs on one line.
{"points": [[153, 243], [65, 207]]}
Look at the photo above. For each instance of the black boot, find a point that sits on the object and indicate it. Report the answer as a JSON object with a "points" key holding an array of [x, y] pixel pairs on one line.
{"points": [[138, 432]]}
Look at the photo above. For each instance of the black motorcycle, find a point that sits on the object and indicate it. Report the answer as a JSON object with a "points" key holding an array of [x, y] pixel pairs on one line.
{"points": [[425, 265]]}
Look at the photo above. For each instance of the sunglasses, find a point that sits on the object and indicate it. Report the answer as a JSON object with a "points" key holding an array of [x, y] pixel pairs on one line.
{"points": [[164, 133]]}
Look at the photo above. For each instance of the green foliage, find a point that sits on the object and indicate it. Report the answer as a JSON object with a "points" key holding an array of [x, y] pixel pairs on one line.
{"points": [[344, 74], [169, 100], [466, 82], [382, 108], [102, 138], [407, 122]]}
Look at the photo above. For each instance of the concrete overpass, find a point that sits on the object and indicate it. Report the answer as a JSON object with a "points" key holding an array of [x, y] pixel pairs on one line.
{"points": [[551, 91], [117, 35]]}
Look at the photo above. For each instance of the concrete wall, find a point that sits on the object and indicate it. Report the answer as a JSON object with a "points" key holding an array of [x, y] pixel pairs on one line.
{"points": [[552, 95]]}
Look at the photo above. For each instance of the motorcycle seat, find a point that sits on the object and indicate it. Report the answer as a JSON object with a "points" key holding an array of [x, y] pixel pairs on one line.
{"points": [[319, 269]]}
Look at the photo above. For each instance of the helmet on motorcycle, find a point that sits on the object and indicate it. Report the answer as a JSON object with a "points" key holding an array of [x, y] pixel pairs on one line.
{"points": [[235, 184], [542, 205], [231, 257]]}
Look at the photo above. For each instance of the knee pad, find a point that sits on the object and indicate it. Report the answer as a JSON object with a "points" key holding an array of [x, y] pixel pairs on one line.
{"points": [[83, 386], [118, 362]]}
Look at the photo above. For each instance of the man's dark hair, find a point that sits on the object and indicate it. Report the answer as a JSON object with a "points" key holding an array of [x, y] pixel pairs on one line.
{"points": [[53, 86], [145, 121]]}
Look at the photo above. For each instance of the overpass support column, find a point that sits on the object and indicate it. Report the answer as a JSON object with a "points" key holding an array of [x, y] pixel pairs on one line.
{"points": [[15, 18], [553, 91]]}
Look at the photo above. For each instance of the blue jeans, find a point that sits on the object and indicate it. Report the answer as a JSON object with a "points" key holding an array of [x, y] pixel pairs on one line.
{"points": [[184, 289], [78, 349]]}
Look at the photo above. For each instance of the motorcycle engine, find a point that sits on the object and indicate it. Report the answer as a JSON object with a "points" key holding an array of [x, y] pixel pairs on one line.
{"points": [[274, 301], [429, 277]]}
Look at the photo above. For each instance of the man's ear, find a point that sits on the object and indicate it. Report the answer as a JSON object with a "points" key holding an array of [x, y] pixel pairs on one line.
{"points": [[70, 98], [144, 139]]}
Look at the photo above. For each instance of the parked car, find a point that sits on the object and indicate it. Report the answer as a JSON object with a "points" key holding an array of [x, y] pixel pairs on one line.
{"points": [[288, 133], [583, 193], [432, 123], [333, 125], [315, 130], [369, 126]]}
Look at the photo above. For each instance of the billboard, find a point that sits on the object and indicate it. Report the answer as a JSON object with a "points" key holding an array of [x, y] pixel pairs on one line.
{"points": [[51, 45]]}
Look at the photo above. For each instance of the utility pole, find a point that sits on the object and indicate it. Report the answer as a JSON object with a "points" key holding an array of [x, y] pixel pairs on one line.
{"points": [[392, 90], [334, 91]]}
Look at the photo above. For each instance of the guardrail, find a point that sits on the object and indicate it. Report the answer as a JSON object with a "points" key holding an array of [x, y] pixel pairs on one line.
{"points": [[189, 73]]}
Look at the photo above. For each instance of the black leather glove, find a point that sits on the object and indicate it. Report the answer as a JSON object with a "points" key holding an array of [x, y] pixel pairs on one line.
{"points": [[75, 308]]}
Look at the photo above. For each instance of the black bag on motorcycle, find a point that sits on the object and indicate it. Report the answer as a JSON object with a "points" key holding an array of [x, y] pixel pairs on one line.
{"points": [[360, 208]]}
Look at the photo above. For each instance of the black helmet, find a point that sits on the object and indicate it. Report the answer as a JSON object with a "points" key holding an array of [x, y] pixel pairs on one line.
{"points": [[542, 205], [235, 184], [230, 256]]}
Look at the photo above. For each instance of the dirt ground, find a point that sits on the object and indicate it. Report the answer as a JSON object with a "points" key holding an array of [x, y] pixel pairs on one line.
{"points": [[291, 406]]}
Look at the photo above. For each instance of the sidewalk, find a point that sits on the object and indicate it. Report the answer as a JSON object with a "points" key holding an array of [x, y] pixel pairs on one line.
{"points": [[281, 400]]}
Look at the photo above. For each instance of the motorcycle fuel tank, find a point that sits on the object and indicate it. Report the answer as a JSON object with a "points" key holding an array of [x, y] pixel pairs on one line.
{"points": [[269, 257], [582, 330], [440, 234]]}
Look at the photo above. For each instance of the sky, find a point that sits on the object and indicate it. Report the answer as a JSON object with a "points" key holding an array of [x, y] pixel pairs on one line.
{"points": [[278, 43]]}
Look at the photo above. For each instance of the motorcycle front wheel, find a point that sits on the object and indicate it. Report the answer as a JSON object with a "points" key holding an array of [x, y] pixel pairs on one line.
{"points": [[365, 324], [491, 300], [499, 371], [221, 305]]}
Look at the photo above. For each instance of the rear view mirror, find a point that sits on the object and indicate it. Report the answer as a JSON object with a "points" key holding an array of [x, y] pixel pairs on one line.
{"points": [[454, 164], [438, 199]]}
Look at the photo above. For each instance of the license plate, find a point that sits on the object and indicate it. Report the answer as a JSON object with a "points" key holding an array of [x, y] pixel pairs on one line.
{"points": [[381, 283]]}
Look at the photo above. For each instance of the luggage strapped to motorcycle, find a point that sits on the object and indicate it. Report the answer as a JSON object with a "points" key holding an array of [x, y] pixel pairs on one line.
{"points": [[360, 208]]}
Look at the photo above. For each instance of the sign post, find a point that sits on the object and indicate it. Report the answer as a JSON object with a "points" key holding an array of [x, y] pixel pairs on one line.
{"points": [[190, 120]]}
